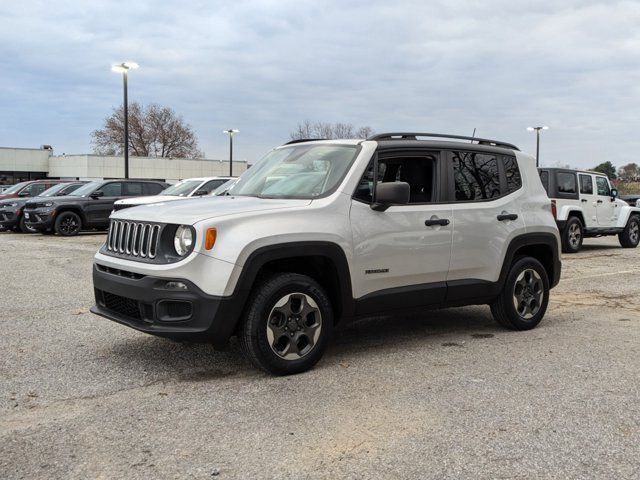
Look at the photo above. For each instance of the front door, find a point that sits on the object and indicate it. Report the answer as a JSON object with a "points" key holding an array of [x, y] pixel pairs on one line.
{"points": [[401, 255], [606, 207], [99, 209]]}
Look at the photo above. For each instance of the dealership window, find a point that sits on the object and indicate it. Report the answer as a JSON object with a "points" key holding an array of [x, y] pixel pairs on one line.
{"points": [[476, 176]]}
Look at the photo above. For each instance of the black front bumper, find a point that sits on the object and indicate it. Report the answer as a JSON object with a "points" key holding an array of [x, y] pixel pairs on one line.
{"points": [[9, 219], [40, 219], [144, 303]]}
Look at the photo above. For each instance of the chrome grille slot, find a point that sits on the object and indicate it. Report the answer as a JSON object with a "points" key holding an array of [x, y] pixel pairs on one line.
{"points": [[134, 239]]}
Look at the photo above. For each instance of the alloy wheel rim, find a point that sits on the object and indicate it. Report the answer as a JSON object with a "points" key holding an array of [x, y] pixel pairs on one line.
{"points": [[294, 326], [528, 293], [634, 232], [69, 225], [574, 235]]}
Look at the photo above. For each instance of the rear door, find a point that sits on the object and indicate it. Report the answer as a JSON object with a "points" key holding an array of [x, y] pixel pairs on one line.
{"points": [[588, 199], [486, 191], [402, 254]]}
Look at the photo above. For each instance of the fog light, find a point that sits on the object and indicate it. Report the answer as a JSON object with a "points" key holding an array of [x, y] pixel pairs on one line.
{"points": [[175, 286]]}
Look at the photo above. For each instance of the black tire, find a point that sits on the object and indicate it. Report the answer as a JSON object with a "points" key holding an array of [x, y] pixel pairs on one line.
{"points": [[572, 235], [504, 309], [68, 224], [630, 236], [24, 228], [263, 314]]}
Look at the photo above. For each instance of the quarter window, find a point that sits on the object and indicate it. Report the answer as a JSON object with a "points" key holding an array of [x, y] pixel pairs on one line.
{"points": [[476, 176], [511, 172], [586, 184], [566, 182], [603, 186]]}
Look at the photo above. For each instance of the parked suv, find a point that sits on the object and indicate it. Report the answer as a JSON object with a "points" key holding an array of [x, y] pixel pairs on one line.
{"points": [[191, 187], [86, 208], [11, 211], [323, 231], [585, 205], [31, 188]]}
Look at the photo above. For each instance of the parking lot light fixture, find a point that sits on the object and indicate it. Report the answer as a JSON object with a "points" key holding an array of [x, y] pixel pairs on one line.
{"points": [[231, 132], [124, 68], [537, 130]]}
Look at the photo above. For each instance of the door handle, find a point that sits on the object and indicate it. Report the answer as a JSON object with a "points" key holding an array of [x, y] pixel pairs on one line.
{"points": [[507, 216], [443, 222], [584, 200], [599, 201]]}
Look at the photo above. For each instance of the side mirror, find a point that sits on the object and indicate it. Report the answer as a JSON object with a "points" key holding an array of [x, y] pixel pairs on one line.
{"points": [[391, 193], [614, 193], [24, 194], [200, 193], [97, 194]]}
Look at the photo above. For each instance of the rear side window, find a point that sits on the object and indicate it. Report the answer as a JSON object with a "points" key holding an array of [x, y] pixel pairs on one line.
{"points": [[603, 186], [152, 188], [132, 189], [544, 178], [586, 184], [476, 176], [512, 174], [566, 182]]}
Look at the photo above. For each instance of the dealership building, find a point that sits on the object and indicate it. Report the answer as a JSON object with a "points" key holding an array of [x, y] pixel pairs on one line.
{"points": [[20, 164]]}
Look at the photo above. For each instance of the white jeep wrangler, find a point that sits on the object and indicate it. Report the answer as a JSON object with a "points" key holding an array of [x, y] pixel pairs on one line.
{"points": [[585, 205], [323, 231]]}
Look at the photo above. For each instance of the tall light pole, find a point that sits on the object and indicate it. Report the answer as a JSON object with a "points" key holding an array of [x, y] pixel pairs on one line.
{"points": [[124, 67], [231, 132], [537, 130]]}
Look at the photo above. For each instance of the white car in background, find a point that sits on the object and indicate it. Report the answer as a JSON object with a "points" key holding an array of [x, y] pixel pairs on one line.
{"points": [[188, 188]]}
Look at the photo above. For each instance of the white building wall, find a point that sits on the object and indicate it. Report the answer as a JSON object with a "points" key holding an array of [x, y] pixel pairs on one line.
{"points": [[24, 159]]}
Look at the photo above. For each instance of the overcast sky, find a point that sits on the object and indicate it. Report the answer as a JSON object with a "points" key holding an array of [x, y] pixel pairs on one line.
{"points": [[263, 66]]}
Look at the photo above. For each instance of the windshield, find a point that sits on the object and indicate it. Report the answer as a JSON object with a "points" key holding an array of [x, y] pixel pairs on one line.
{"points": [[16, 188], [300, 171], [182, 189], [85, 190]]}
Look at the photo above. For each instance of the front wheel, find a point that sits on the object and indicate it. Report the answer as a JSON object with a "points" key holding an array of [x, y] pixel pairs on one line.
{"points": [[572, 236], [630, 236], [287, 325], [524, 297], [24, 228], [68, 224]]}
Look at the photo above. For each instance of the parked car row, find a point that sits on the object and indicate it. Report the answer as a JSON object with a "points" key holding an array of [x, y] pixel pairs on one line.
{"points": [[67, 208]]}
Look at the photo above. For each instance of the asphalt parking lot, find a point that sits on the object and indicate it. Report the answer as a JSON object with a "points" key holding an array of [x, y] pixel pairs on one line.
{"points": [[447, 394]]}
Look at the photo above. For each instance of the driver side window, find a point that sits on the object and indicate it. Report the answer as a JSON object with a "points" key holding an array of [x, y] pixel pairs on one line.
{"points": [[113, 189], [603, 186]]}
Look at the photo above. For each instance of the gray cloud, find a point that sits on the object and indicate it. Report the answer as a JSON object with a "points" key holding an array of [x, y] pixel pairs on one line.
{"points": [[262, 66]]}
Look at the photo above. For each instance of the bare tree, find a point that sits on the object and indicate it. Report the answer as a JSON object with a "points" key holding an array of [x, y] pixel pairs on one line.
{"points": [[629, 172], [308, 129], [154, 131]]}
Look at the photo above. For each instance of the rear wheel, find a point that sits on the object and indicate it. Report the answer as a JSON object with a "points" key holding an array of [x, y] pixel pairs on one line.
{"points": [[572, 235], [524, 297], [68, 224], [630, 236], [24, 228], [287, 325]]}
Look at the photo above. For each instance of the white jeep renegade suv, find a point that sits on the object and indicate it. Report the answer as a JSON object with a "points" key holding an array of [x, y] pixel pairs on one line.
{"points": [[585, 205], [322, 231]]}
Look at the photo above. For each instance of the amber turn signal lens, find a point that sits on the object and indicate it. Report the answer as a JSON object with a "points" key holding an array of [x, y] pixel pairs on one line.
{"points": [[210, 239]]}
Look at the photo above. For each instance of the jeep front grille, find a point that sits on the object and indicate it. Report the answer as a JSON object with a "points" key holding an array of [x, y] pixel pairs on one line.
{"points": [[133, 238]]}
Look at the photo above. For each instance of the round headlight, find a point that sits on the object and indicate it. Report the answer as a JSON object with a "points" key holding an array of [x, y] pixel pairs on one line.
{"points": [[183, 241]]}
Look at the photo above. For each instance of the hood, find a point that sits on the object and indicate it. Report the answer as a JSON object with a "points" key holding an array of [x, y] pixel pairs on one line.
{"points": [[5, 196], [19, 200], [150, 199], [193, 210]]}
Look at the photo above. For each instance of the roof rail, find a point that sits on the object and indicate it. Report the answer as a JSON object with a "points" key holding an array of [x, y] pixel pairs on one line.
{"points": [[414, 135], [302, 140]]}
